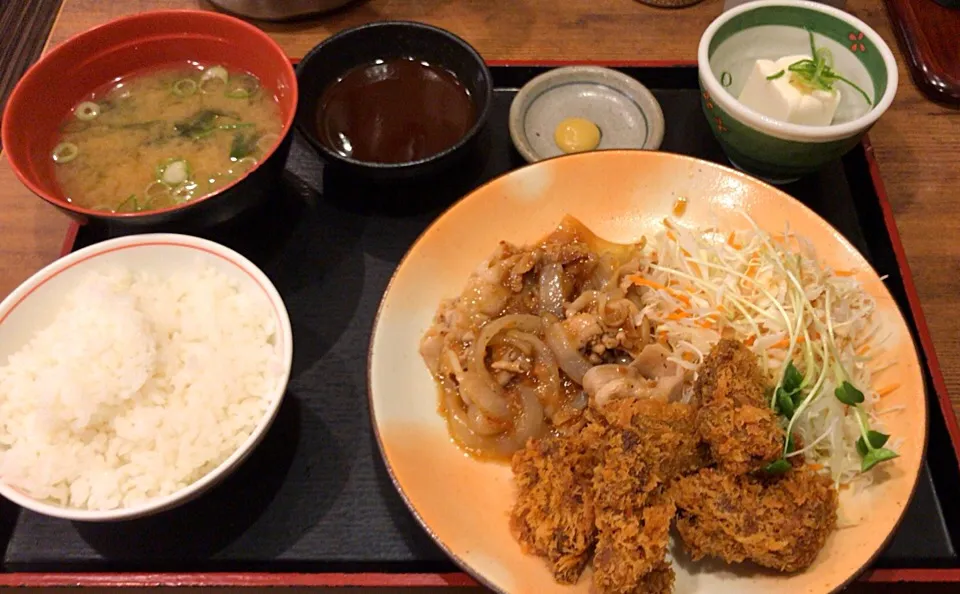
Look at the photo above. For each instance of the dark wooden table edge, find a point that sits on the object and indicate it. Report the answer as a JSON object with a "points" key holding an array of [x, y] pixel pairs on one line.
{"points": [[407, 580]]}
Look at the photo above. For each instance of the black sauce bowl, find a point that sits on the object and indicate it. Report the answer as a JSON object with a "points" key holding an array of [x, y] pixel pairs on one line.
{"points": [[332, 58]]}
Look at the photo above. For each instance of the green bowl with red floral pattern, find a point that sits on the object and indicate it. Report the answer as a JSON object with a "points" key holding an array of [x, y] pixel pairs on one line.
{"points": [[771, 29]]}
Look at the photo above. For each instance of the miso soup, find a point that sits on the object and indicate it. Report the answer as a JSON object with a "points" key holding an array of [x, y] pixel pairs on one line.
{"points": [[158, 139]]}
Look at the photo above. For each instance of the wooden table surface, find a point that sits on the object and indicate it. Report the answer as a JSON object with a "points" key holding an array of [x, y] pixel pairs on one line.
{"points": [[917, 142]]}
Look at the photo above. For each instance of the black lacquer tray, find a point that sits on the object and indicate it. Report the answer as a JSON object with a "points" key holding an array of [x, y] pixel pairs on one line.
{"points": [[314, 504]]}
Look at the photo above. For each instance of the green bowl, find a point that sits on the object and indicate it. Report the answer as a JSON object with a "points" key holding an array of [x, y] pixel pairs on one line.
{"points": [[770, 29]]}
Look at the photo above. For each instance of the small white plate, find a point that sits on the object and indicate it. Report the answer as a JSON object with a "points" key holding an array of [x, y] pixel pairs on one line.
{"points": [[626, 112]]}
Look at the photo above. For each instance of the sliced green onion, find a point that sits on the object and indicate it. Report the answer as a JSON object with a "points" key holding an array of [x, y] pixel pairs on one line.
{"points": [[216, 72], [184, 191], [210, 77], [157, 200], [266, 142], [86, 111], [156, 189], [173, 171], [826, 55], [74, 126], [855, 86], [128, 205], [242, 86], [776, 75], [817, 72], [184, 87], [247, 162], [161, 201], [65, 152]]}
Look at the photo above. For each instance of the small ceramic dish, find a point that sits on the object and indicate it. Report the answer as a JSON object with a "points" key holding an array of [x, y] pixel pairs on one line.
{"points": [[625, 111], [771, 29], [33, 306]]}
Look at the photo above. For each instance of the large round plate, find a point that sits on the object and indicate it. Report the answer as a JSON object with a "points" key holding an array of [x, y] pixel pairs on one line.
{"points": [[464, 504]]}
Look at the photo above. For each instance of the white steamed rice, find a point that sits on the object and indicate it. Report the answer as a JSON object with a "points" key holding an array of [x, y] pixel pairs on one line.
{"points": [[140, 386]]}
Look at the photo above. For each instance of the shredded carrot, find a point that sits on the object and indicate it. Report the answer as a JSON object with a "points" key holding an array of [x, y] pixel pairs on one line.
{"points": [[678, 315], [671, 236], [887, 390], [732, 241], [688, 356], [863, 350], [785, 342], [667, 223], [815, 467], [845, 272], [750, 340], [639, 280], [704, 323]]}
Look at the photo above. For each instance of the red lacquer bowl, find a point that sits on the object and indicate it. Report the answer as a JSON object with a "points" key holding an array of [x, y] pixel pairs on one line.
{"points": [[69, 73]]}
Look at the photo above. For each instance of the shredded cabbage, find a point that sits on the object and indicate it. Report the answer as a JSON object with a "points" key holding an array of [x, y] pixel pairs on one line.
{"points": [[773, 293]]}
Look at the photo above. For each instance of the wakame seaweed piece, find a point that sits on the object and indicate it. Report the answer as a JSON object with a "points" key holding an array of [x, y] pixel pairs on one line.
{"points": [[236, 126], [138, 125], [243, 145], [201, 123]]}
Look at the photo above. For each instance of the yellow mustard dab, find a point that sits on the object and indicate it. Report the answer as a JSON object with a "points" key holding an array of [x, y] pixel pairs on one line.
{"points": [[576, 135]]}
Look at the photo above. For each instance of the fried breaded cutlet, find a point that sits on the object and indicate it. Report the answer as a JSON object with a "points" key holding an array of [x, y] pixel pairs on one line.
{"points": [[781, 522], [648, 444], [670, 442], [735, 421], [632, 545], [603, 484], [553, 516], [730, 372], [658, 581]]}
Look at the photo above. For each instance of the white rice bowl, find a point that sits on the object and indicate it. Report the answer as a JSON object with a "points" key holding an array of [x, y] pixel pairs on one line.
{"points": [[135, 374]]}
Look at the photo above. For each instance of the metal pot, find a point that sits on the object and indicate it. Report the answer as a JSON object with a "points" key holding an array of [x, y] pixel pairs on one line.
{"points": [[278, 10]]}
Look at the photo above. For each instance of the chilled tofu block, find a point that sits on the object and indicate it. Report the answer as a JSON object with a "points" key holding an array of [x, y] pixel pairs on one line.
{"points": [[782, 99]]}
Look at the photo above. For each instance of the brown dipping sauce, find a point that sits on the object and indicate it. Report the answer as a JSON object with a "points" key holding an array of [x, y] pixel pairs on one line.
{"points": [[394, 111]]}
